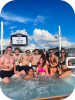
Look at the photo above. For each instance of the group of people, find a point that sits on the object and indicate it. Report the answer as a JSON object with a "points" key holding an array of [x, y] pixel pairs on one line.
{"points": [[32, 65]]}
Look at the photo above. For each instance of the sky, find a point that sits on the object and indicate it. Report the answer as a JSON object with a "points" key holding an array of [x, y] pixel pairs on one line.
{"points": [[39, 19]]}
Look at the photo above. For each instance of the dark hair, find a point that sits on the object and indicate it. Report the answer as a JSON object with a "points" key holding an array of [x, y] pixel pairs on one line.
{"points": [[16, 49], [65, 52], [46, 57], [9, 47], [36, 50], [44, 61], [52, 50], [29, 69], [27, 50]]}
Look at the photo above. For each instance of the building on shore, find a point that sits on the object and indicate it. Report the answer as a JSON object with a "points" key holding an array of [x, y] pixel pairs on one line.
{"points": [[31, 48]]}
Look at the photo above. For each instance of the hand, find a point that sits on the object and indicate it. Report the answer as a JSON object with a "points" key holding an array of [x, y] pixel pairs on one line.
{"points": [[35, 74], [15, 72]]}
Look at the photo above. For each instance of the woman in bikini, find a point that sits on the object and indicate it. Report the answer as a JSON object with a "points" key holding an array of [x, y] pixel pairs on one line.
{"points": [[64, 70], [46, 56], [42, 67], [53, 61]]}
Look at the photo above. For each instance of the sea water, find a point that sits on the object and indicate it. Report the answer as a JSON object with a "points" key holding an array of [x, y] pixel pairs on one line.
{"points": [[19, 89]]}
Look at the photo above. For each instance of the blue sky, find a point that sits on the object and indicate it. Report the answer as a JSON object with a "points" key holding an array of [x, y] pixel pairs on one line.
{"points": [[40, 19]]}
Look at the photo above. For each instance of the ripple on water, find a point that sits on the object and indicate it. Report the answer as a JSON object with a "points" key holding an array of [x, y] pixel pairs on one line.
{"points": [[37, 88]]}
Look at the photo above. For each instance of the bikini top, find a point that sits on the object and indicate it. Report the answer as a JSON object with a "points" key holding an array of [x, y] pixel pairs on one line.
{"points": [[41, 70], [63, 63], [54, 60]]}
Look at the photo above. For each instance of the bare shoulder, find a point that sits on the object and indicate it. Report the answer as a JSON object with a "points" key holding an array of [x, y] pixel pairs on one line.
{"points": [[12, 56], [26, 77], [39, 55], [20, 55], [56, 57], [3, 56], [49, 58], [45, 66], [23, 55]]}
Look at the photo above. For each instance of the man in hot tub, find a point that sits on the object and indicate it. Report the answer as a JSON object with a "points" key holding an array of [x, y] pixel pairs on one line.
{"points": [[17, 57], [35, 59], [26, 58], [7, 65]]}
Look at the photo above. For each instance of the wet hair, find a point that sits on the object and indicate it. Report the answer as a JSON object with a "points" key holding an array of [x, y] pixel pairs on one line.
{"points": [[16, 49], [9, 47], [29, 69], [47, 56], [44, 61], [64, 51], [36, 50], [27, 50]]}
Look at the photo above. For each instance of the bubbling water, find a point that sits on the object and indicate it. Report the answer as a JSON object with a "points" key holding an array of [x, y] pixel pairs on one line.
{"points": [[44, 86]]}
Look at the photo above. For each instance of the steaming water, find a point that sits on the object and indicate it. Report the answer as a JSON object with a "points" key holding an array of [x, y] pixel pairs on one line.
{"points": [[38, 88]]}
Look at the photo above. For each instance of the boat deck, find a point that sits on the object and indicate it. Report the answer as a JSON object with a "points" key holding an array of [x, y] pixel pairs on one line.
{"points": [[53, 98]]}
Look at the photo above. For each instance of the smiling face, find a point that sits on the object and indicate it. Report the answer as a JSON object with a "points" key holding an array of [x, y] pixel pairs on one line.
{"points": [[41, 60], [9, 51], [30, 72], [28, 53], [36, 52], [51, 52], [16, 52]]}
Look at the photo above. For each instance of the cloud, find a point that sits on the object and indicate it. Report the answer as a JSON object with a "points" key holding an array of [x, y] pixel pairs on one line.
{"points": [[5, 43], [12, 27], [41, 39], [16, 18], [12, 17], [41, 19], [23, 32], [44, 39]]}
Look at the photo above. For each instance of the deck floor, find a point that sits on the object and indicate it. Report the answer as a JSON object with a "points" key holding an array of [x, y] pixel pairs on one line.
{"points": [[53, 98]]}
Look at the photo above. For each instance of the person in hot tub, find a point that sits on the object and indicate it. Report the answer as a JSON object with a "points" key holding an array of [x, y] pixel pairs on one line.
{"points": [[35, 58], [30, 74], [8, 67], [64, 70], [42, 67], [25, 60]]}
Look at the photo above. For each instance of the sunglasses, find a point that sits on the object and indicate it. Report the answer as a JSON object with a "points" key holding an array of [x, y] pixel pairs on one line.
{"points": [[62, 52], [51, 52]]}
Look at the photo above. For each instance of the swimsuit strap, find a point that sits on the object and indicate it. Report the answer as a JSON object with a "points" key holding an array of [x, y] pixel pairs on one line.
{"points": [[54, 60]]}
